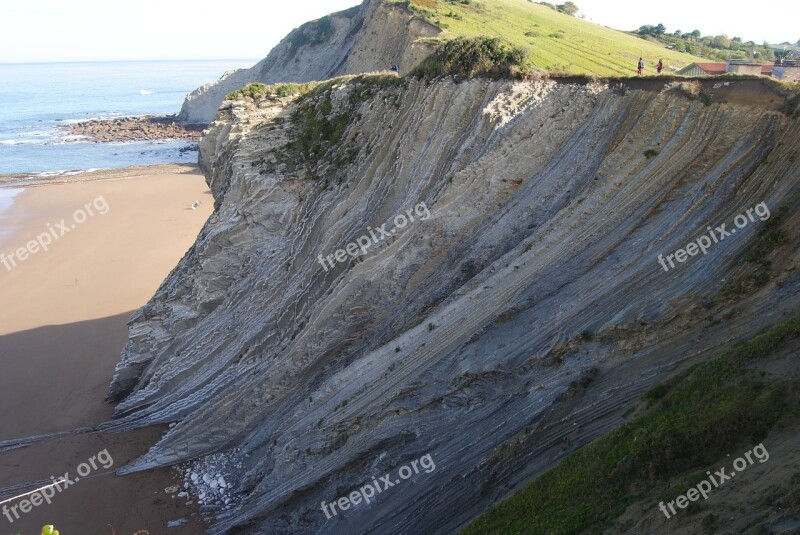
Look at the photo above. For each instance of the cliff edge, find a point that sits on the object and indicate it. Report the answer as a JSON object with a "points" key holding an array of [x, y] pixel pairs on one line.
{"points": [[366, 38], [508, 306]]}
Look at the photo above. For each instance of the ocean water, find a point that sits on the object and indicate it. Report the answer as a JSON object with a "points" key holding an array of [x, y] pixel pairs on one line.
{"points": [[35, 98]]}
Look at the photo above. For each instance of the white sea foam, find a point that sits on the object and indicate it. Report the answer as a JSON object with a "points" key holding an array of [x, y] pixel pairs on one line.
{"points": [[146, 92], [63, 172], [80, 172], [6, 201], [24, 141]]}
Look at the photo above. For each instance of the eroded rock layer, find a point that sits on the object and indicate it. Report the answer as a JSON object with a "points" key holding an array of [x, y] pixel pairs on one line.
{"points": [[520, 315], [370, 37]]}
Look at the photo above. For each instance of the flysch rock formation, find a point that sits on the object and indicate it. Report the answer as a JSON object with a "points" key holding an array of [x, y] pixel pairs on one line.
{"points": [[524, 317], [366, 38]]}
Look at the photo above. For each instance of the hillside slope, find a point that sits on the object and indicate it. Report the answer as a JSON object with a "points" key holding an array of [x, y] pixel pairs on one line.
{"points": [[555, 41], [380, 33], [531, 270]]}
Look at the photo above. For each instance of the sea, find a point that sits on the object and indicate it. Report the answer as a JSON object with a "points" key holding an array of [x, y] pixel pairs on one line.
{"points": [[37, 98]]}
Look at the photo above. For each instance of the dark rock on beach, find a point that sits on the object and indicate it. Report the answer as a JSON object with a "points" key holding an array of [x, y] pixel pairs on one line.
{"points": [[148, 127]]}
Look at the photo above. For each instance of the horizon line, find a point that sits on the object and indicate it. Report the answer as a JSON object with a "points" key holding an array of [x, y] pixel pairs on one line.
{"points": [[50, 62]]}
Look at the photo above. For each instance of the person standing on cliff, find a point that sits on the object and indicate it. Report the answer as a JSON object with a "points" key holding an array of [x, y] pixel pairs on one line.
{"points": [[640, 67], [660, 66]]}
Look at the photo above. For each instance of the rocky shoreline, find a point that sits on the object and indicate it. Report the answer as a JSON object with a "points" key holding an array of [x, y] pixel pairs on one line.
{"points": [[144, 128]]}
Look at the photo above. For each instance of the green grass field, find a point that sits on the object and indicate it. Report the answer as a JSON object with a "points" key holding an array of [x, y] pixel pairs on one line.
{"points": [[555, 42]]}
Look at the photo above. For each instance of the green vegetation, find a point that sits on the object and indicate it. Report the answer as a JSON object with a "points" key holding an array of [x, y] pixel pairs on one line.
{"points": [[319, 127], [470, 57], [569, 8], [757, 265], [312, 33], [793, 101], [581, 48], [714, 47], [259, 90], [694, 420]]}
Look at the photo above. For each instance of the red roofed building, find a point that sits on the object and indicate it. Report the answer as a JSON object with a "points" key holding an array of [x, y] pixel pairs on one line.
{"points": [[732, 66], [703, 69]]}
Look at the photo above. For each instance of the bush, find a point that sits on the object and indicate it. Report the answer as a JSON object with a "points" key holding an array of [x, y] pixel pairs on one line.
{"points": [[568, 8], [471, 57], [257, 89]]}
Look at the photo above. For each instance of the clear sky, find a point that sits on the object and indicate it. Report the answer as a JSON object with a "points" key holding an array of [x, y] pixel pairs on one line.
{"points": [[86, 30], [766, 20]]}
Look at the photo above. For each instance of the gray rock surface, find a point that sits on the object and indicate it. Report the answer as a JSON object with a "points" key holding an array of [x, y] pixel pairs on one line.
{"points": [[367, 38], [523, 318]]}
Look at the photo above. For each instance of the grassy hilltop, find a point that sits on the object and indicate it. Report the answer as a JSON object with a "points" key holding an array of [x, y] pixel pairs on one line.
{"points": [[555, 42]]}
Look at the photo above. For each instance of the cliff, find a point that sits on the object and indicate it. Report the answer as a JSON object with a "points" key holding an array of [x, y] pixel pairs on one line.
{"points": [[530, 269], [366, 38]]}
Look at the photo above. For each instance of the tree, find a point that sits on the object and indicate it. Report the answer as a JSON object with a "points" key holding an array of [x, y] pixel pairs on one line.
{"points": [[721, 41], [696, 34], [661, 29], [649, 29], [568, 7]]}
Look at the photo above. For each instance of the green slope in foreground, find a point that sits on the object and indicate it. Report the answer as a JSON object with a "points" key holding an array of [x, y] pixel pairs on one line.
{"points": [[555, 42], [713, 408]]}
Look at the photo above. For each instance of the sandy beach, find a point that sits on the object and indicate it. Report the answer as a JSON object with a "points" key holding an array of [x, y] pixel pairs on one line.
{"points": [[62, 329]]}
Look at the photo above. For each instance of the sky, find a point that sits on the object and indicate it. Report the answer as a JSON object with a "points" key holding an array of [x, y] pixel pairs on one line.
{"points": [[775, 21], [101, 30]]}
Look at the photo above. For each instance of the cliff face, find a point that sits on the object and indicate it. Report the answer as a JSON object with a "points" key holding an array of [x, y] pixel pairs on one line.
{"points": [[370, 37], [520, 314]]}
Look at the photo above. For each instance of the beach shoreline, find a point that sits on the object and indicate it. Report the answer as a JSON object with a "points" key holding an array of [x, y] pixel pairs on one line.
{"points": [[27, 180], [61, 339]]}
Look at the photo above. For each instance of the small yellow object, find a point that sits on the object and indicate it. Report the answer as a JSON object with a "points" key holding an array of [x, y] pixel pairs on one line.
{"points": [[49, 530]]}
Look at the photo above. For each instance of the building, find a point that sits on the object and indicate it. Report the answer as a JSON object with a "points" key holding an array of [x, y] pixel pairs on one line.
{"points": [[787, 73], [789, 70], [703, 69], [743, 66]]}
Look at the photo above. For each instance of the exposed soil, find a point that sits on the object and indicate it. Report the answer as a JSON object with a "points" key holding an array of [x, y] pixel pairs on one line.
{"points": [[755, 91]]}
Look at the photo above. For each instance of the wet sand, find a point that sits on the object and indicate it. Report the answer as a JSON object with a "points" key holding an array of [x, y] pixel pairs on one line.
{"points": [[62, 328]]}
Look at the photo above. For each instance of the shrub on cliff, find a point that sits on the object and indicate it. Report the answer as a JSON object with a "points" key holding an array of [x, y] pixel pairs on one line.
{"points": [[471, 57], [259, 90]]}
